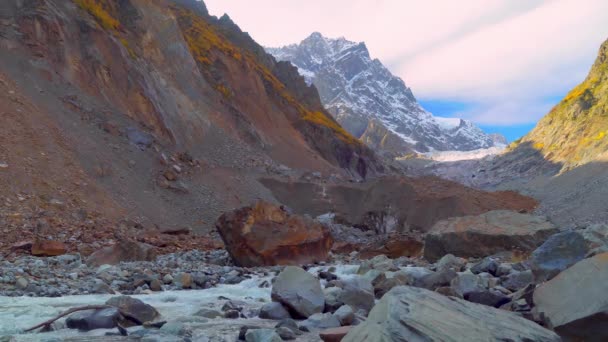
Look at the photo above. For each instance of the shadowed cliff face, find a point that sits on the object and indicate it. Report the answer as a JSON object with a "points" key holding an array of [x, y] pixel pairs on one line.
{"points": [[154, 110], [181, 74]]}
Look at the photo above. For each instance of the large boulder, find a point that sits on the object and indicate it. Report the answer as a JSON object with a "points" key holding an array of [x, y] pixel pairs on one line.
{"points": [[487, 234], [134, 310], [575, 302], [93, 319], [48, 248], [122, 251], [358, 293], [414, 314], [265, 235], [299, 291], [559, 252]]}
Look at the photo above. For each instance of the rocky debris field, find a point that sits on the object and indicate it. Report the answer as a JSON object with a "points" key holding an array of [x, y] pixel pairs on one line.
{"points": [[504, 296]]}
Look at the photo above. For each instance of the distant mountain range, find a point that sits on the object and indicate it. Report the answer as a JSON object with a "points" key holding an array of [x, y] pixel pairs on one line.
{"points": [[375, 105]]}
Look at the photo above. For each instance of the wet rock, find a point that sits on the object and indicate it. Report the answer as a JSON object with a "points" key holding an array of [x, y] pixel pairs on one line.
{"points": [[290, 324], [299, 291], [518, 280], [575, 303], [559, 252], [415, 314], [176, 329], [487, 234], [262, 335], [93, 319], [274, 310], [136, 311], [358, 293], [334, 334], [321, 321], [243, 331], [265, 235], [122, 251], [332, 298], [381, 263], [208, 313], [286, 334], [232, 314], [48, 248], [345, 315]]}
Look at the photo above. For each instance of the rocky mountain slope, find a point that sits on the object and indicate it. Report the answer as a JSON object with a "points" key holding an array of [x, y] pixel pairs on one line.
{"points": [[575, 131], [138, 119], [373, 104]]}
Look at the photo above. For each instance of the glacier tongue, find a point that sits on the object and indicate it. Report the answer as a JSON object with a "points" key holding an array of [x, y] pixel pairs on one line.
{"points": [[359, 91]]}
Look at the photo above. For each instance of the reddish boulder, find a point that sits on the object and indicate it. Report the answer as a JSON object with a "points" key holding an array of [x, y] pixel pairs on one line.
{"points": [[265, 235], [122, 251], [334, 334], [48, 248]]}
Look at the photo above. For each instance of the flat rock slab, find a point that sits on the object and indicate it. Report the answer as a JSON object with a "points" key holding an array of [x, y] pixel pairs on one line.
{"points": [[487, 234], [575, 302], [299, 291], [413, 314]]}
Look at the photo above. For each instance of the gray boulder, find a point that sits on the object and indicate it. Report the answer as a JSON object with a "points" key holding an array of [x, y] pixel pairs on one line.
{"points": [[321, 321], [575, 302], [488, 265], [345, 315], [358, 293], [449, 261], [559, 252], [414, 314], [465, 283], [492, 298], [517, 280], [274, 310], [436, 279], [487, 234], [299, 291], [93, 319]]}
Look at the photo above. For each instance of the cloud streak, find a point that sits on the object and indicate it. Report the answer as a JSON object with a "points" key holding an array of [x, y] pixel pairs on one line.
{"points": [[505, 58]]}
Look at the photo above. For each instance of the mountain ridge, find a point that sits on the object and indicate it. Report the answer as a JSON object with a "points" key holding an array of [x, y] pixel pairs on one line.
{"points": [[373, 104]]}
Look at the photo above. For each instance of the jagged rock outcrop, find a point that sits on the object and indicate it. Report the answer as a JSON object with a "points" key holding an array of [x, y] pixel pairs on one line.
{"points": [[373, 104]]}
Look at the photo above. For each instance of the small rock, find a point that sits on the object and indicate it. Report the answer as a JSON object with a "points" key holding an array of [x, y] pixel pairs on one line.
{"points": [[208, 313], [518, 280], [345, 315], [274, 310], [286, 334], [321, 321], [21, 283], [262, 335]]}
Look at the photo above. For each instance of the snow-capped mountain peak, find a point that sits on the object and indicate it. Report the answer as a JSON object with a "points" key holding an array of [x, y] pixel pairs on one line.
{"points": [[372, 103]]}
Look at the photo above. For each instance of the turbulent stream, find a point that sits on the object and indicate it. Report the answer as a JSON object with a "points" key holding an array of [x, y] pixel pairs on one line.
{"points": [[20, 313]]}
